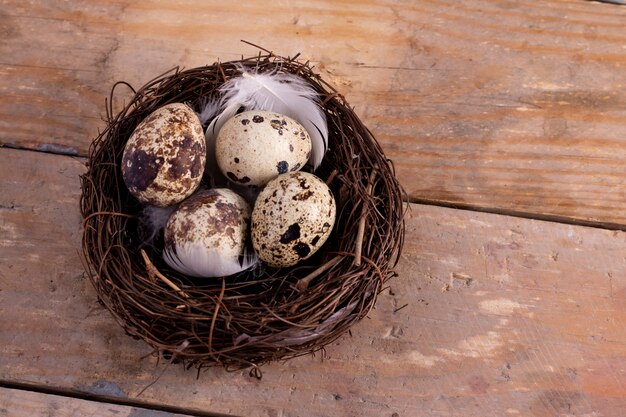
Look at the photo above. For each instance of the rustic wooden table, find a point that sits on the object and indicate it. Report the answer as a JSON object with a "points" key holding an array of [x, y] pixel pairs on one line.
{"points": [[506, 120]]}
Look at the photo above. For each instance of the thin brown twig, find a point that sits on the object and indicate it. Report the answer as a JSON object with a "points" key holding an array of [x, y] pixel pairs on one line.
{"points": [[217, 309], [332, 96], [219, 67], [256, 46], [395, 310], [152, 271], [332, 176], [303, 283], [361, 230], [109, 213]]}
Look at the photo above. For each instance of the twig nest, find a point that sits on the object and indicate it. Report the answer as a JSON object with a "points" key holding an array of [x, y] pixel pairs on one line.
{"points": [[262, 313], [292, 218]]}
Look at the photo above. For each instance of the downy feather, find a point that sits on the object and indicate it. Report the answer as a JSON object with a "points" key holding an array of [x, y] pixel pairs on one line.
{"points": [[210, 108], [282, 93], [153, 220], [197, 260]]}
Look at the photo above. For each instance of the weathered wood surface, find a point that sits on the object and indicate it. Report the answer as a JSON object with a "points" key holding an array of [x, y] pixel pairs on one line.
{"points": [[503, 317], [505, 105], [19, 403]]}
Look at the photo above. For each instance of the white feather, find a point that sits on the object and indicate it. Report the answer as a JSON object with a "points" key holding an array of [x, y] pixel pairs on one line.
{"points": [[197, 260], [210, 108], [154, 220], [282, 93]]}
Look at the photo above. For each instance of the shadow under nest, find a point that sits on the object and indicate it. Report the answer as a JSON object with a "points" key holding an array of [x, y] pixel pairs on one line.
{"points": [[261, 315]]}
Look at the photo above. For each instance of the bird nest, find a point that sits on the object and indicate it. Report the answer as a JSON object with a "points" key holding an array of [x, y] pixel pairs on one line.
{"points": [[257, 316]]}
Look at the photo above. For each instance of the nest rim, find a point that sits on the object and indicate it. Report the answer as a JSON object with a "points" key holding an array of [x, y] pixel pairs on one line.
{"points": [[251, 318]]}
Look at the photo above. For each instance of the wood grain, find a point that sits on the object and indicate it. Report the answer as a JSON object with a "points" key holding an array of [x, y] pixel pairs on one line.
{"points": [[501, 105], [490, 315], [18, 403]]}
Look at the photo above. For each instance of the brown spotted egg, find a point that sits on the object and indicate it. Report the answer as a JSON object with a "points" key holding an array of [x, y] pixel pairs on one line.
{"points": [[255, 146], [164, 158], [292, 218], [206, 235]]}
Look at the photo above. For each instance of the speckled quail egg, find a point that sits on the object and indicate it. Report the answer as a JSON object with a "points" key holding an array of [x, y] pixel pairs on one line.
{"points": [[206, 235], [164, 158], [292, 218], [255, 146]]}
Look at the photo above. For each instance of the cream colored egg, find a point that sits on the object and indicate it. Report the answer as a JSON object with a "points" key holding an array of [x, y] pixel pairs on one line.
{"points": [[255, 146], [206, 235], [164, 158], [292, 218]]}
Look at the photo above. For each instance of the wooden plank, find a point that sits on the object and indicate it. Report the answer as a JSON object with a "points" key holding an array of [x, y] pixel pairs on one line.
{"points": [[18, 403], [495, 104], [504, 316]]}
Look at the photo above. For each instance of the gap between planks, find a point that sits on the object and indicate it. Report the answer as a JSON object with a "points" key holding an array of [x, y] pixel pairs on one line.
{"points": [[553, 218], [615, 2], [130, 402], [48, 149]]}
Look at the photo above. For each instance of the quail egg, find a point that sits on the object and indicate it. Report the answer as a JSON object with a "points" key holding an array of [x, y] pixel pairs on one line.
{"points": [[206, 235], [292, 218], [255, 146], [164, 158]]}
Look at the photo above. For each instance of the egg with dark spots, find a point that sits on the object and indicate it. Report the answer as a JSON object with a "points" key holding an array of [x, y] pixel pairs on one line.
{"points": [[206, 235], [305, 220], [256, 146], [165, 156]]}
